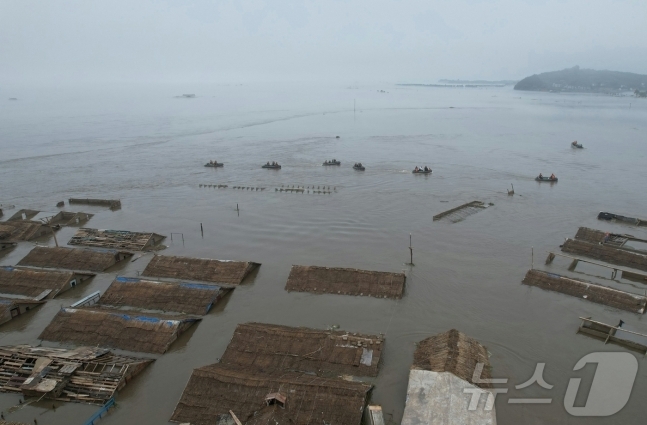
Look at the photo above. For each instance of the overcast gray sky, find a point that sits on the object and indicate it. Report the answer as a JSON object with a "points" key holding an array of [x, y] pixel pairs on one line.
{"points": [[299, 40]]}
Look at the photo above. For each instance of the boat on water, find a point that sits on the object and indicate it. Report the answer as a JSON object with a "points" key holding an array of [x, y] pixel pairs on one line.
{"points": [[358, 166], [421, 170], [214, 164], [546, 179], [577, 145], [617, 217], [333, 162], [272, 166]]}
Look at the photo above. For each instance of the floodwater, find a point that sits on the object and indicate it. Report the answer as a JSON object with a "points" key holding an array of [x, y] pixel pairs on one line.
{"points": [[147, 148]]}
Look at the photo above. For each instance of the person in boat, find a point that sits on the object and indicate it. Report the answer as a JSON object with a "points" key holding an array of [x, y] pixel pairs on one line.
{"points": [[541, 176], [552, 177], [268, 163], [426, 169], [416, 169], [210, 162]]}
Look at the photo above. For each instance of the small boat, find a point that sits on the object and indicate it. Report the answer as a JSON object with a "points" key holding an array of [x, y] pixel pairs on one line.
{"points": [[359, 167], [422, 171], [545, 179], [577, 145], [214, 164], [274, 166], [333, 162]]}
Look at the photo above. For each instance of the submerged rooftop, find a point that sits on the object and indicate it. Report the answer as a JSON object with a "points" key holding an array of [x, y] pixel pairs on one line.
{"points": [[214, 390], [114, 328], [333, 280], [274, 347], [180, 297], [73, 259], [200, 269], [37, 284]]}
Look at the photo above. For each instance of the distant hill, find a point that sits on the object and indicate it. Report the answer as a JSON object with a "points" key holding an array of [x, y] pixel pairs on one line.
{"points": [[584, 80]]}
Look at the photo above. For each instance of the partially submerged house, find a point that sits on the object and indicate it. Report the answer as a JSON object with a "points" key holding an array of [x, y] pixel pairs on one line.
{"points": [[614, 240], [61, 218], [180, 297], [84, 374], [323, 352], [586, 290], [199, 269], [115, 328], [113, 204], [11, 308], [38, 284], [73, 259], [284, 396], [16, 231], [441, 382], [606, 253], [332, 280], [115, 239]]}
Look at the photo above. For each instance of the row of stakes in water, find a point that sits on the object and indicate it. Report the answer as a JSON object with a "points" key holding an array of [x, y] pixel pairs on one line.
{"points": [[224, 186], [301, 189], [306, 189]]}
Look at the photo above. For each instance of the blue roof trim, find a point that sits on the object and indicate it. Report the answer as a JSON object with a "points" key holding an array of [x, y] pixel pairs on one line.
{"points": [[8, 268]]}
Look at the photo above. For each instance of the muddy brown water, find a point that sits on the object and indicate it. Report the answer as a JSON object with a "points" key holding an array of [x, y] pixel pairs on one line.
{"points": [[148, 149]]}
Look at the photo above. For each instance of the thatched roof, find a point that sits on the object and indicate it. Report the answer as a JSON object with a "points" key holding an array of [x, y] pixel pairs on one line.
{"points": [[200, 269], [589, 235], [606, 253], [587, 290], [181, 297], [274, 347], [72, 259], [454, 352], [115, 239], [84, 374], [214, 390], [33, 283], [8, 304], [11, 423], [114, 328], [14, 231], [331, 280]]}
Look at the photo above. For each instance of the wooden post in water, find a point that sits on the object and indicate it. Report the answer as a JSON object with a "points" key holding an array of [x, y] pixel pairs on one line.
{"points": [[410, 249], [201, 230], [532, 258]]}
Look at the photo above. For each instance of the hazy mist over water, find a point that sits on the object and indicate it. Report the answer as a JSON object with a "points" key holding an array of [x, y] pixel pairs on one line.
{"points": [[99, 114], [148, 148]]}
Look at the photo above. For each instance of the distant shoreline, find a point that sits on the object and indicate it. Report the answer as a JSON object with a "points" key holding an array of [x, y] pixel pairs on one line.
{"points": [[452, 85]]}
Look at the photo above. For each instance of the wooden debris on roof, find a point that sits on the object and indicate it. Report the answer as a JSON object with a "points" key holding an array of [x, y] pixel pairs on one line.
{"points": [[115, 328], [85, 374], [587, 290], [180, 297], [212, 391], [271, 347], [32, 283], [73, 259], [333, 280], [199, 269], [115, 239]]}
